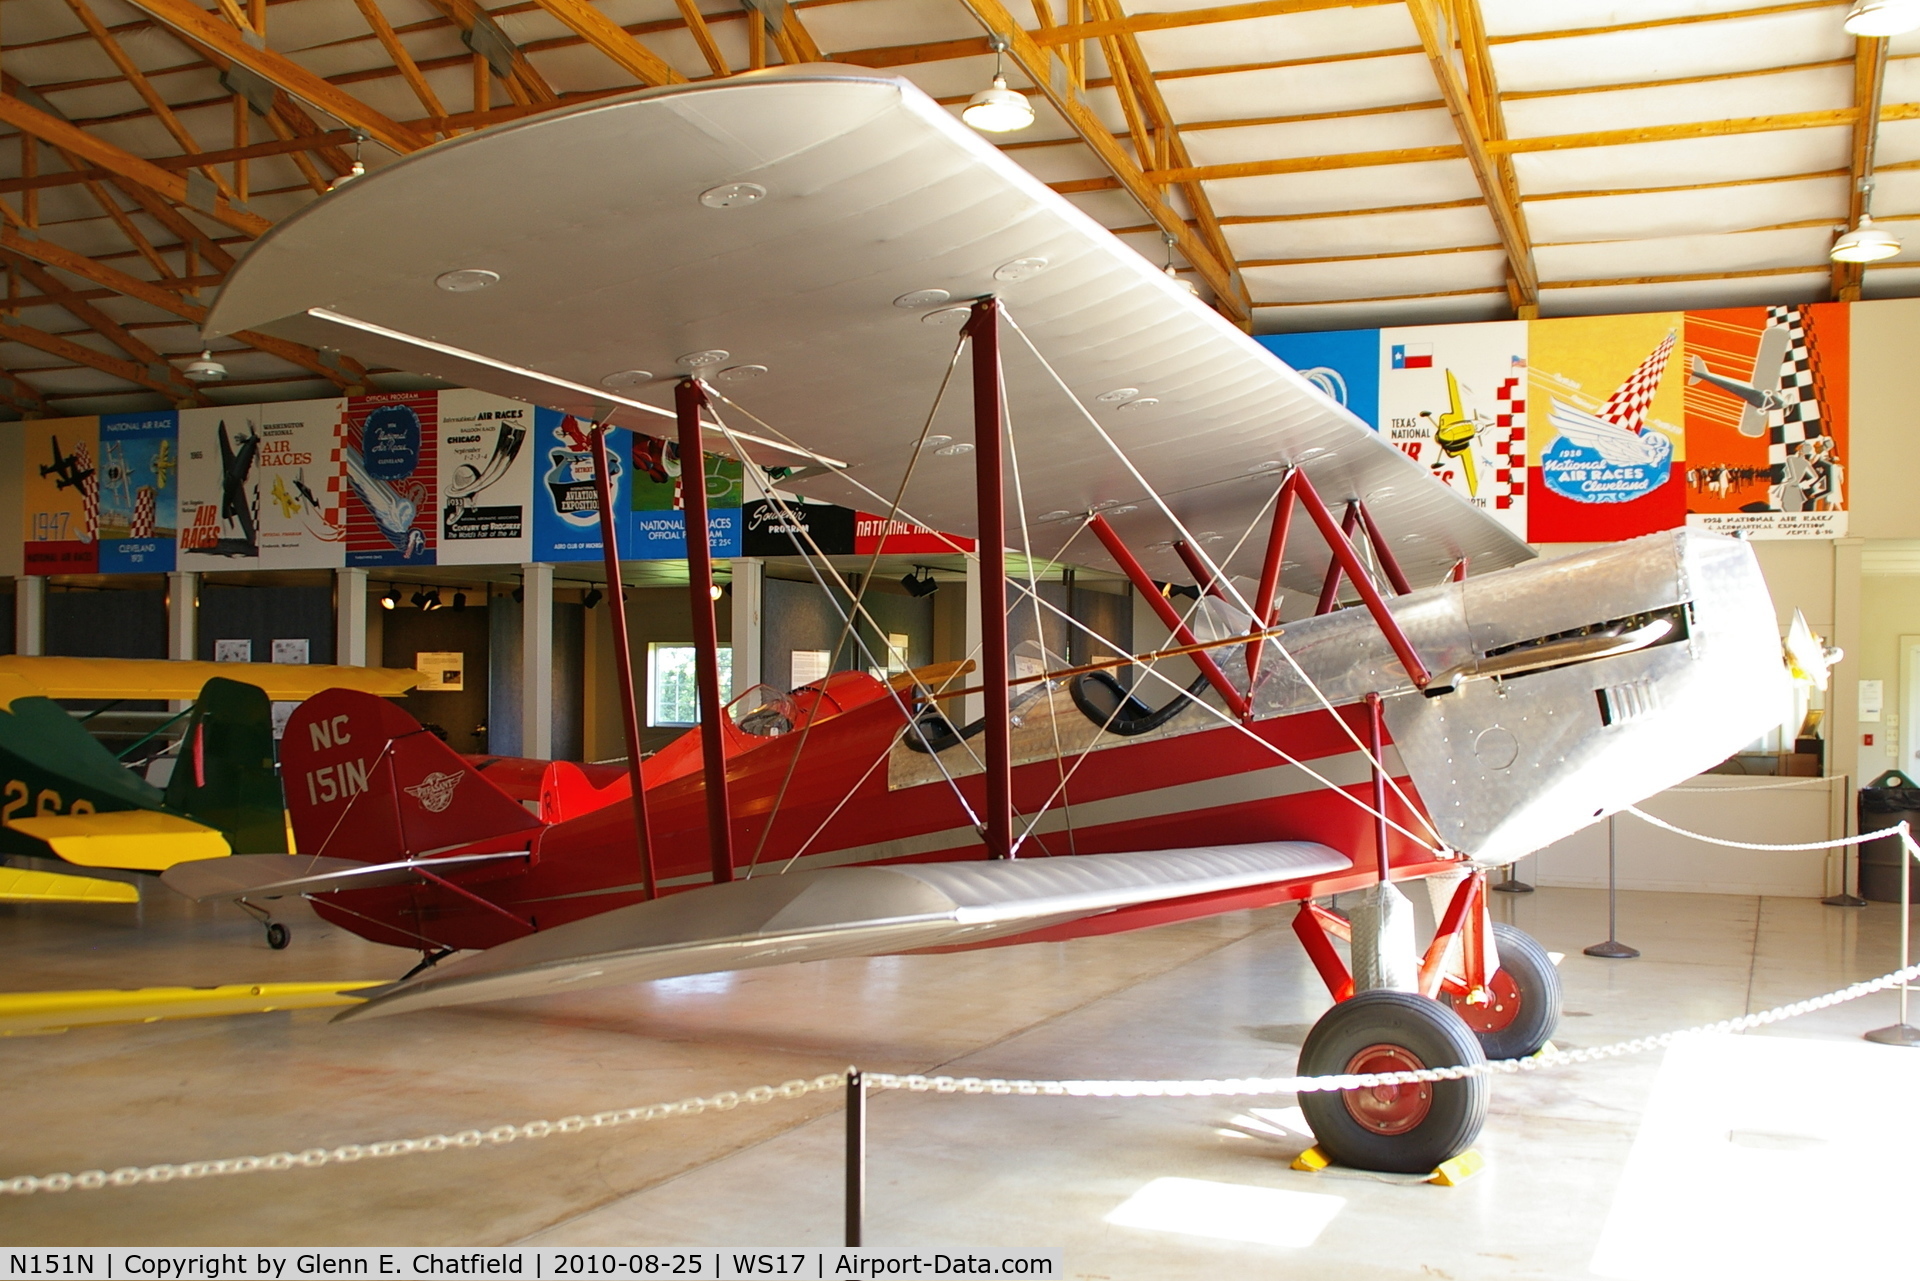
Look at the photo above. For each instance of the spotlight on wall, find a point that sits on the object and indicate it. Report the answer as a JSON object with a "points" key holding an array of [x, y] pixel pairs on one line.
{"points": [[459, 601], [391, 600], [591, 597], [716, 591], [919, 581], [433, 598]]}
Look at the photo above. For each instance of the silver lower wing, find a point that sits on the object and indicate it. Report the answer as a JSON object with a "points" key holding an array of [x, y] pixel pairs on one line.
{"points": [[283, 875], [844, 911]]}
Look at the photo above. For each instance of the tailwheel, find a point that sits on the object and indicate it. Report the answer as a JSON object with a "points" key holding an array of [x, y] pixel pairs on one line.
{"points": [[1405, 1129], [1524, 1000], [278, 936]]}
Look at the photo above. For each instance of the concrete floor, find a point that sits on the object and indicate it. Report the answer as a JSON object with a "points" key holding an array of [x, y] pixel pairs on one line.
{"points": [[1776, 1153]]}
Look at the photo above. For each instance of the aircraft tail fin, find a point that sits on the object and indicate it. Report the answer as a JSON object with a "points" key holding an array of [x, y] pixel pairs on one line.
{"points": [[1697, 371], [225, 777], [365, 781]]}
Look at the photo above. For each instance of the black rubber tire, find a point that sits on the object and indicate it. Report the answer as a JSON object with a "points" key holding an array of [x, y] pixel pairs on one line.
{"points": [[1432, 1034], [1536, 983], [278, 936]]}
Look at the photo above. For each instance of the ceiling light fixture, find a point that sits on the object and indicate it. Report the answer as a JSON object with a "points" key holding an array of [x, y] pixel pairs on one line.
{"points": [[715, 591], [358, 167], [1872, 18], [391, 600], [1865, 243], [459, 601], [919, 581], [1173, 275], [204, 368], [466, 280], [591, 597], [998, 109]]}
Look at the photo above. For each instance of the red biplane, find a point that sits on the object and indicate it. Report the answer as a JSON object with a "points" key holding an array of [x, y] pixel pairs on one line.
{"points": [[839, 228]]}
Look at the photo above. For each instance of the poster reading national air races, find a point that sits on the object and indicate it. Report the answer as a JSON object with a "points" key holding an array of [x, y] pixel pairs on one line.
{"points": [[1454, 399], [60, 495], [486, 478], [139, 463]]}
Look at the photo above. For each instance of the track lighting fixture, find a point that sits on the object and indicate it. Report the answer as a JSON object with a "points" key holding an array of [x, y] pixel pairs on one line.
{"points": [[459, 601], [919, 581], [998, 109], [591, 597], [520, 595], [391, 600]]}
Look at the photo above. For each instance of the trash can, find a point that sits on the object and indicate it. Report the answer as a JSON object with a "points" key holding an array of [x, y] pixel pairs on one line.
{"points": [[1892, 798]]}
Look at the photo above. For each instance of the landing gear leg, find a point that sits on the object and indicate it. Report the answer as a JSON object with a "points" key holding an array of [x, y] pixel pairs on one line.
{"points": [[278, 935], [1523, 1002], [427, 961]]}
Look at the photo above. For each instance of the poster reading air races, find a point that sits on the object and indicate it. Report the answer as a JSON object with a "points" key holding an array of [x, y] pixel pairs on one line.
{"points": [[1588, 429]]}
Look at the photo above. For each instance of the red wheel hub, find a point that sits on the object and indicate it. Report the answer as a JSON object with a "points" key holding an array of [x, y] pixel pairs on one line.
{"points": [[1495, 1014], [1387, 1109]]}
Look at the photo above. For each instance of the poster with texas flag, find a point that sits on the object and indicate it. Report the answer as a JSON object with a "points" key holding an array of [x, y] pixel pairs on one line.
{"points": [[1454, 399], [1411, 355]]}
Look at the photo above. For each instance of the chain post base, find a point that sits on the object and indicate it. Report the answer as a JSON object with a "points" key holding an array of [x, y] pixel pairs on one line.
{"points": [[1899, 1034]]}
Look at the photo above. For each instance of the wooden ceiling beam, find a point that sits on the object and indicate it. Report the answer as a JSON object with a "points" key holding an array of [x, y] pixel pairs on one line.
{"points": [[1047, 70], [99, 321], [1869, 78], [148, 94], [625, 51], [522, 81], [1360, 302], [1069, 33], [703, 37], [123, 164], [1678, 20], [1686, 277], [13, 330], [1310, 164], [1391, 253], [24, 395], [402, 60], [1456, 49], [225, 155], [1686, 186], [1838, 117], [344, 372], [198, 24]]}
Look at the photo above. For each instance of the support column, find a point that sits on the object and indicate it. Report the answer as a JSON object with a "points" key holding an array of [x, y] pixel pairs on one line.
{"points": [[1842, 722], [688, 401], [990, 502], [350, 617], [183, 614], [972, 707], [622, 655], [30, 614], [536, 660], [749, 574]]}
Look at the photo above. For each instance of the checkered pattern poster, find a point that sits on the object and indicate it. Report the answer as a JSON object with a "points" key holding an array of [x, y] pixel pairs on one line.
{"points": [[1766, 414], [1454, 398], [262, 486], [1609, 436], [60, 495], [139, 462]]}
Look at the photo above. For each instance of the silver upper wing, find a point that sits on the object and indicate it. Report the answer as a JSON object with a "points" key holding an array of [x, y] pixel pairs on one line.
{"points": [[280, 875], [844, 911], [623, 241]]}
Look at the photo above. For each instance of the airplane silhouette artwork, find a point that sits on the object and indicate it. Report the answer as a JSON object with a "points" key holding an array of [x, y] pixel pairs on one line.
{"points": [[236, 464], [66, 469], [1762, 393], [1454, 431]]}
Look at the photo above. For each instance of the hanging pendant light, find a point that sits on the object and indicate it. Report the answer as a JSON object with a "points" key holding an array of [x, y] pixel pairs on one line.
{"points": [[1871, 18], [998, 109], [1865, 243], [1175, 276]]}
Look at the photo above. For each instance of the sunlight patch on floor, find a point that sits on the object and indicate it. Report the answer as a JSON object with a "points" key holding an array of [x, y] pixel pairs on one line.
{"points": [[1229, 1212], [1769, 1157]]}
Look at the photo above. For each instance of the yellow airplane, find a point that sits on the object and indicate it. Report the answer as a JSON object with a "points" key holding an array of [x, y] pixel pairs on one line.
{"points": [[286, 502], [62, 793], [1454, 431]]}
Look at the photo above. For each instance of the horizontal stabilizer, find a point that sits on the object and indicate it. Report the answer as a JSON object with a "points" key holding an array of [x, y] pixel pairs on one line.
{"points": [[18, 885], [33, 1013], [845, 911], [135, 840], [281, 875]]}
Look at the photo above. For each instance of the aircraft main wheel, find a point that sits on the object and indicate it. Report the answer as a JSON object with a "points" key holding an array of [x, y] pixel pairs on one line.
{"points": [[1524, 1007], [1405, 1129], [278, 936]]}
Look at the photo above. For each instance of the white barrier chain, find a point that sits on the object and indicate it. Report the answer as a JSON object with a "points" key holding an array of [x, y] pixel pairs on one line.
{"points": [[314, 1158]]}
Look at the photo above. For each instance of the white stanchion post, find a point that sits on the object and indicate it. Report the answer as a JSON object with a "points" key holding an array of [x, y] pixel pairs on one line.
{"points": [[1902, 1033]]}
